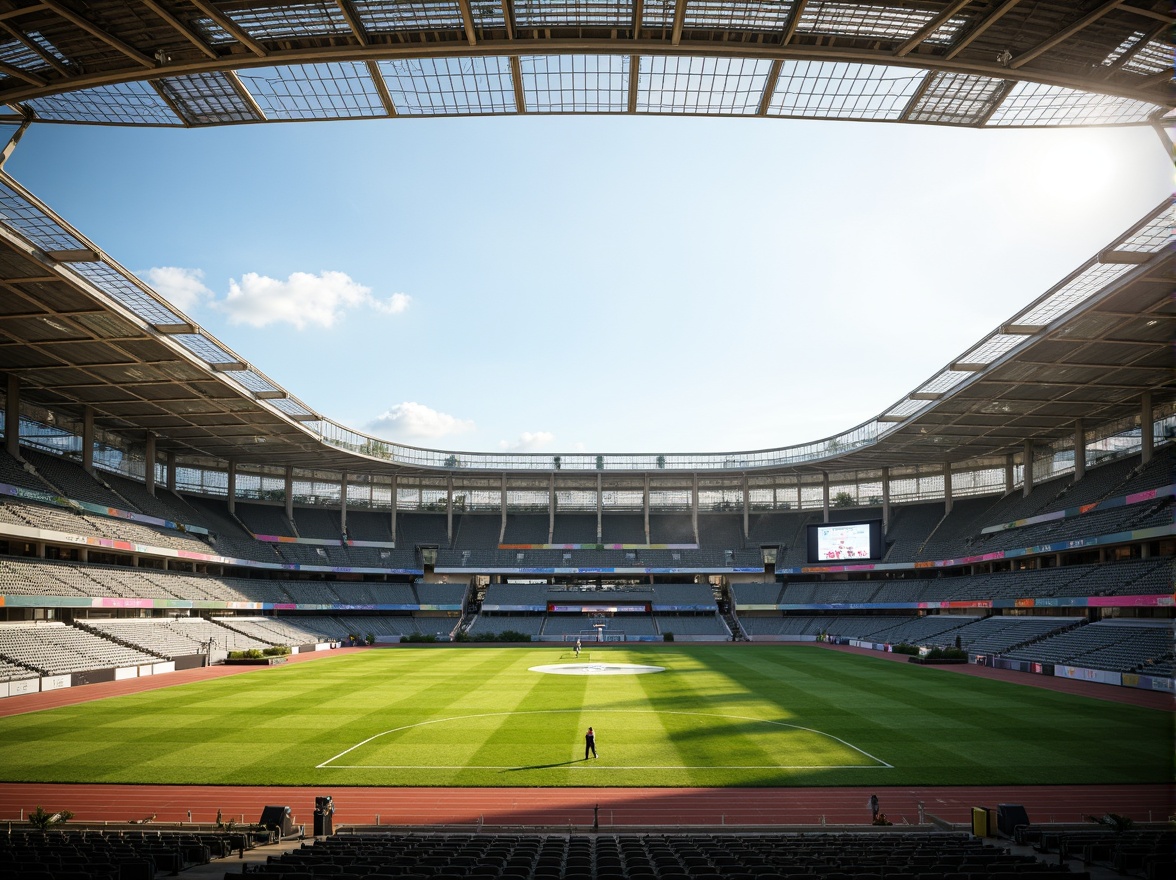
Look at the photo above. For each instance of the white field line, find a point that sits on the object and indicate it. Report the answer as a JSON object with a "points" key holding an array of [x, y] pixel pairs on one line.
{"points": [[880, 764]]}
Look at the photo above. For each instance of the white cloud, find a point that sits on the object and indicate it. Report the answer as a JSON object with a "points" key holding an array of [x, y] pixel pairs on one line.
{"points": [[183, 288], [302, 299], [415, 421], [528, 441]]}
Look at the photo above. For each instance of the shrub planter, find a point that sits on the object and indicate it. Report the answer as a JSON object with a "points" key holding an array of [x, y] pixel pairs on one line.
{"points": [[256, 661], [938, 661]]}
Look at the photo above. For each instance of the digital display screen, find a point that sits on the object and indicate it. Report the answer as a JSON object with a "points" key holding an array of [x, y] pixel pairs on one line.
{"points": [[845, 542]]}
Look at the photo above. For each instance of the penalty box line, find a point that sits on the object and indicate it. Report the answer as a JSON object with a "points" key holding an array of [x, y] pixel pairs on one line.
{"points": [[880, 764]]}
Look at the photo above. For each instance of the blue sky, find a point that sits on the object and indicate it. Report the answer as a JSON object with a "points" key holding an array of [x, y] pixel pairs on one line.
{"points": [[598, 284]]}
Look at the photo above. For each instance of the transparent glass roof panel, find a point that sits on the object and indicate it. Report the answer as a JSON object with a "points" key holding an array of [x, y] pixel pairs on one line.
{"points": [[1155, 57], [251, 380], [277, 21], [212, 32], [207, 98], [381, 16], [1153, 237], [290, 406], [677, 84], [756, 15], [487, 13], [131, 103], [16, 54], [554, 13], [992, 348], [575, 83], [945, 381], [906, 408], [450, 86], [958, 98], [657, 13], [21, 215], [338, 90], [204, 348], [1038, 104], [41, 40], [1073, 293], [1127, 45], [874, 21], [838, 90], [120, 288]]}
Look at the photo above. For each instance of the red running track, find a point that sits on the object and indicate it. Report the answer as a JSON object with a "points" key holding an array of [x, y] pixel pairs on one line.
{"points": [[617, 807]]}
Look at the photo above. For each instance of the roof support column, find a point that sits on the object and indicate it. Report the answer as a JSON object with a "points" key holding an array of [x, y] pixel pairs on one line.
{"points": [[88, 439], [1027, 469], [885, 500], [342, 505], [1008, 473], [449, 510], [232, 487], [551, 507], [288, 491], [694, 506], [1146, 428], [746, 507], [825, 493], [599, 507], [12, 416], [171, 470], [393, 523], [645, 506], [149, 463], [1079, 451], [947, 499], [502, 507]]}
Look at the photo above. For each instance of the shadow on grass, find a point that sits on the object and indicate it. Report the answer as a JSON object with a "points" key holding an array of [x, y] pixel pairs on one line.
{"points": [[542, 766]]}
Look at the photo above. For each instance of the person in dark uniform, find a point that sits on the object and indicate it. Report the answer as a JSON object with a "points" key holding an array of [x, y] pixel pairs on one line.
{"points": [[589, 743], [873, 808]]}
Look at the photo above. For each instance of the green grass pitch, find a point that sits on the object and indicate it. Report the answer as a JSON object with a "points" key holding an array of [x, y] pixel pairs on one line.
{"points": [[718, 716]]}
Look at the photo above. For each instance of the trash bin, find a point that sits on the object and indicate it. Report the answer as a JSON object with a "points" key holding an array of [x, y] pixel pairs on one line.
{"points": [[324, 812]]}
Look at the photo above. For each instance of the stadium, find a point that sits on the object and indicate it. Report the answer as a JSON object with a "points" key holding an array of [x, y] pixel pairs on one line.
{"points": [[951, 623]]}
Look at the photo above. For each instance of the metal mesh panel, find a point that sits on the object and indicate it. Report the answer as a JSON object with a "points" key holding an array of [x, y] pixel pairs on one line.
{"points": [[1073, 293], [207, 98], [120, 288], [958, 98], [447, 86], [286, 20], [833, 89], [554, 13], [204, 348], [132, 103], [678, 84], [755, 15], [877, 22], [575, 83], [315, 91], [1038, 104], [381, 16], [18, 213]]}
